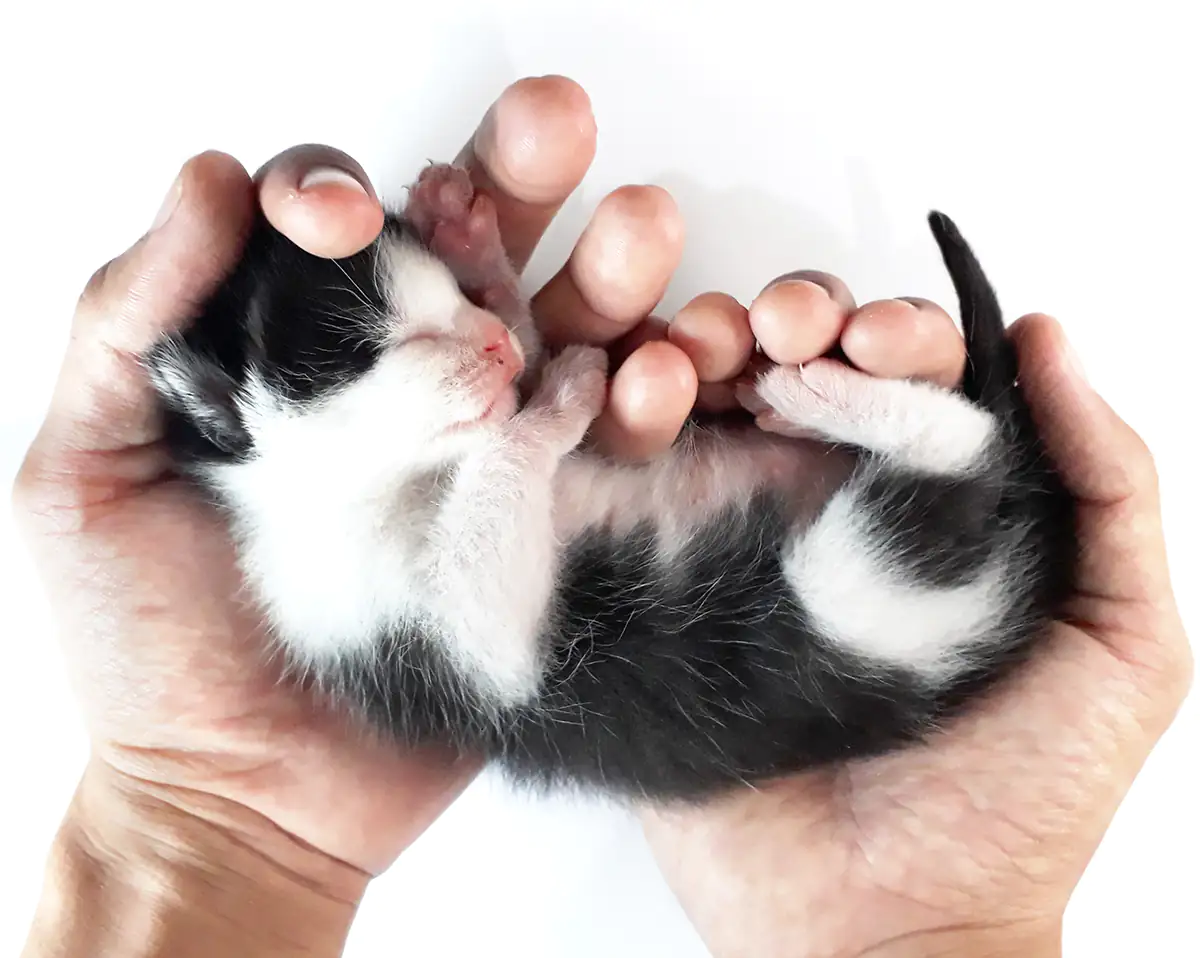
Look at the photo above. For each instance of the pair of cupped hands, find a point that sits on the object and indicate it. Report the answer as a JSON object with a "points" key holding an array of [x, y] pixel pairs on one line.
{"points": [[971, 844]]}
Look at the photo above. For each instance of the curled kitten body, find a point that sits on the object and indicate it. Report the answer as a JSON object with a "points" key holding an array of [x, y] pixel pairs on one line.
{"points": [[414, 509]]}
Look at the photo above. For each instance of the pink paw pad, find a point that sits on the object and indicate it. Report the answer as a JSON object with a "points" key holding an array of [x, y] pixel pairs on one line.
{"points": [[441, 193]]}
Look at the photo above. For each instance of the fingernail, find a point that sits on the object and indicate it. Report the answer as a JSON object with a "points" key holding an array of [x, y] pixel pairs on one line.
{"points": [[817, 288], [321, 175], [169, 204], [801, 276]]}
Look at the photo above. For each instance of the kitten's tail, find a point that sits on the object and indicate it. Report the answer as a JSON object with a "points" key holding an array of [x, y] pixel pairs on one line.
{"points": [[991, 371]]}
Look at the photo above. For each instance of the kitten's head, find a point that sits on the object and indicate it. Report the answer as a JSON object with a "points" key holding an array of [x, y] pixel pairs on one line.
{"points": [[378, 358]]}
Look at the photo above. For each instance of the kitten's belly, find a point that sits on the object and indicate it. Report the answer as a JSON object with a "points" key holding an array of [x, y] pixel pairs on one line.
{"points": [[705, 471]]}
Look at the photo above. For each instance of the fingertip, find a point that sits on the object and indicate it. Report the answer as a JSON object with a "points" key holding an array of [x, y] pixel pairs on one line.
{"points": [[1045, 356], [1102, 459], [714, 331], [321, 199], [538, 139], [651, 329], [102, 401], [1038, 334], [195, 238], [795, 320], [631, 223], [905, 339], [838, 291], [627, 255], [618, 270], [652, 394], [214, 171], [529, 153]]}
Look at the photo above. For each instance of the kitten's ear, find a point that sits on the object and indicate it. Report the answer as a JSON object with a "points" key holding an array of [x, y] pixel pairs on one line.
{"points": [[197, 388]]}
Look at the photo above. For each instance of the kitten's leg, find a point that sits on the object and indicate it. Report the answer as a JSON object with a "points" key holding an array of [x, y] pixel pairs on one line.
{"points": [[493, 555], [908, 562], [908, 423], [460, 227]]}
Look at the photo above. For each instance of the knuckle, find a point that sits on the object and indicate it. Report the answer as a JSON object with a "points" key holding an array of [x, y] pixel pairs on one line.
{"points": [[1168, 671], [1142, 464], [93, 298], [1181, 674], [29, 492], [46, 498]]}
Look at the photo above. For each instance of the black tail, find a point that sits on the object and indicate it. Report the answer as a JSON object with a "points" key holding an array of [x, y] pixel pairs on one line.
{"points": [[991, 361]]}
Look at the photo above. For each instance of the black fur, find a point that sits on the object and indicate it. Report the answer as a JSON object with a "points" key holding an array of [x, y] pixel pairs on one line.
{"points": [[676, 685], [285, 312]]}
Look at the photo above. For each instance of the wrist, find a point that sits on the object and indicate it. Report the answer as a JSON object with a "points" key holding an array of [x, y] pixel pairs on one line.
{"points": [[141, 871]]}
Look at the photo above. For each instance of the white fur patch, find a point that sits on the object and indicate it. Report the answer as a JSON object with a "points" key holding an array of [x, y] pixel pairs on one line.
{"points": [[342, 509], [420, 288], [320, 536], [858, 600], [914, 424]]}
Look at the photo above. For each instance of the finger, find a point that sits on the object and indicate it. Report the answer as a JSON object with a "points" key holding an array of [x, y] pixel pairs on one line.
{"points": [[838, 291], [651, 396], [321, 200], [795, 320], [102, 402], [618, 270], [1123, 571], [718, 397], [714, 331], [905, 339], [529, 154], [1103, 462], [650, 329]]}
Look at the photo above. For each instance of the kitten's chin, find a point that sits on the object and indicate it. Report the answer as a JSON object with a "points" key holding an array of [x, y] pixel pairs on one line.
{"points": [[502, 406]]}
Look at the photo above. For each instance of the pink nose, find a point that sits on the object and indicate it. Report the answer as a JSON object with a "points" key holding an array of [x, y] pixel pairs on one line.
{"points": [[498, 348]]}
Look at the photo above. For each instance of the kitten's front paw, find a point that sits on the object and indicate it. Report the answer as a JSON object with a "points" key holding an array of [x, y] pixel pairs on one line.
{"points": [[572, 391], [576, 380]]}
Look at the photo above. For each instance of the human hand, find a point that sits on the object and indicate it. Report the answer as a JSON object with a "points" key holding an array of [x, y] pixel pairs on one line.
{"points": [[973, 843], [196, 741]]}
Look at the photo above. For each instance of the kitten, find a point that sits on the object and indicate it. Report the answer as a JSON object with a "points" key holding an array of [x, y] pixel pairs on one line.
{"points": [[404, 472]]}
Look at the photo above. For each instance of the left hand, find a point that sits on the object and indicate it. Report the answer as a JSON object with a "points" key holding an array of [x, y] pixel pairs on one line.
{"points": [[188, 720]]}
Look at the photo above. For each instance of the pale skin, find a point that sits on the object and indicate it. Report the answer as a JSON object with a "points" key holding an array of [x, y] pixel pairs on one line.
{"points": [[211, 784]]}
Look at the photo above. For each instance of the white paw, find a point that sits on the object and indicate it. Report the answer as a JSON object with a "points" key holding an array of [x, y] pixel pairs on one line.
{"points": [[921, 425], [783, 401], [575, 382]]}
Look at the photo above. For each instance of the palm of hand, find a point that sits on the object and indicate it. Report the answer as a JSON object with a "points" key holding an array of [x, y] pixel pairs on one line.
{"points": [[1003, 806], [192, 699], [988, 826]]}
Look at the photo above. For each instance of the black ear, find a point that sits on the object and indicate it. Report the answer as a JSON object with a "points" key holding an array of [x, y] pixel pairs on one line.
{"points": [[201, 393]]}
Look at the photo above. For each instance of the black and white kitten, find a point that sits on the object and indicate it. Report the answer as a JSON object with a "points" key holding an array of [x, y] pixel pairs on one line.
{"points": [[443, 555]]}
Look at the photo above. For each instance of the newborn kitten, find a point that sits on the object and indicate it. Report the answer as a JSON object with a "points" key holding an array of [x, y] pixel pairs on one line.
{"points": [[445, 558]]}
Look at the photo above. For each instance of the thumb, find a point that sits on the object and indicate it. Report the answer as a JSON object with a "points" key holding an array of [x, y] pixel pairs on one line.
{"points": [[102, 415], [1123, 592]]}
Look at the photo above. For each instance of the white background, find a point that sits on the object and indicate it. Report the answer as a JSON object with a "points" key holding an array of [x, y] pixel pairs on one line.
{"points": [[1062, 138]]}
